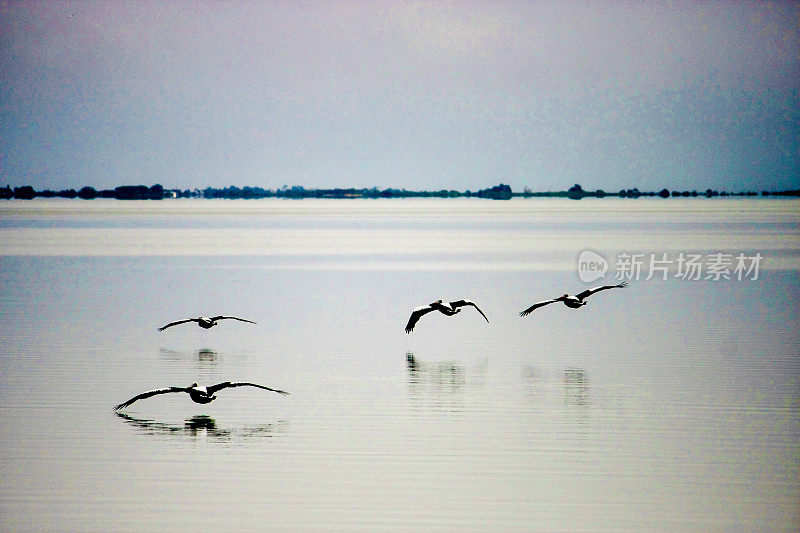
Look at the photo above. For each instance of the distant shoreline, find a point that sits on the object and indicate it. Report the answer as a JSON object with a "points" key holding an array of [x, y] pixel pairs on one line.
{"points": [[498, 192]]}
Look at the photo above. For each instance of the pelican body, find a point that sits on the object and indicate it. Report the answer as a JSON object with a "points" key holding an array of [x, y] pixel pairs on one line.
{"points": [[446, 309], [573, 302], [198, 394]]}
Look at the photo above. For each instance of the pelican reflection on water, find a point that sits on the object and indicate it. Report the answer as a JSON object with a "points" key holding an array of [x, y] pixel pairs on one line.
{"points": [[203, 355], [191, 425], [201, 426], [444, 376], [576, 387]]}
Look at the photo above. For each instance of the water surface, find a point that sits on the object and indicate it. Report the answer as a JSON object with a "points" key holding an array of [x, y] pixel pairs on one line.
{"points": [[672, 404]]}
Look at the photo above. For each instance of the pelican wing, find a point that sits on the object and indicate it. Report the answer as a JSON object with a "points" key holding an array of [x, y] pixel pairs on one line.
{"points": [[162, 328], [537, 305], [149, 393], [226, 384], [416, 314], [215, 318], [462, 303], [589, 292]]}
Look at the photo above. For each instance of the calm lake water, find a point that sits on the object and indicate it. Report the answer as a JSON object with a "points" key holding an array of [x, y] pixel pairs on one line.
{"points": [[673, 404]]}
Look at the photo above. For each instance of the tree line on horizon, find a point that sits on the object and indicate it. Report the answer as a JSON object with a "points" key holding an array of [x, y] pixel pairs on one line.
{"points": [[498, 192]]}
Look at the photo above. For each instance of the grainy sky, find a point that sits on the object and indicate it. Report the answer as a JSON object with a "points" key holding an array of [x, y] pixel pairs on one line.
{"points": [[455, 95]]}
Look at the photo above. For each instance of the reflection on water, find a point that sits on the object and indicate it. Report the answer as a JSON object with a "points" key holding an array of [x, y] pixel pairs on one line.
{"points": [[205, 356], [577, 404], [576, 387], [532, 375], [444, 375], [413, 367], [439, 384], [202, 426], [535, 383]]}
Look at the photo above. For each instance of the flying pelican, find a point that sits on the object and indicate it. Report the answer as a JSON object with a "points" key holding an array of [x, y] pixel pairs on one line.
{"points": [[573, 302], [197, 393], [448, 310], [204, 322]]}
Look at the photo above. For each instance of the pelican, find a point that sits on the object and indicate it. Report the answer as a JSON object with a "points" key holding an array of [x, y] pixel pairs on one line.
{"points": [[449, 310], [197, 393], [573, 302], [204, 322]]}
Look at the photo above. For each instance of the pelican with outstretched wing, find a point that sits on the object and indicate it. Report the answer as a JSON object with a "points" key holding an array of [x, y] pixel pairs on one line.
{"points": [[197, 393], [446, 309], [573, 302], [204, 322]]}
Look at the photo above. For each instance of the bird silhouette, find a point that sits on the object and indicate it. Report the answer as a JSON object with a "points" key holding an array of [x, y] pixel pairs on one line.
{"points": [[446, 309], [204, 322], [197, 393], [573, 302]]}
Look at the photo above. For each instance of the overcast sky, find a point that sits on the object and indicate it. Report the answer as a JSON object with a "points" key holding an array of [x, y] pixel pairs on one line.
{"points": [[455, 95]]}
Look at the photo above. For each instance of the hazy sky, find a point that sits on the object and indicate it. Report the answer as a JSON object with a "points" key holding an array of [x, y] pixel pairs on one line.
{"points": [[455, 95]]}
